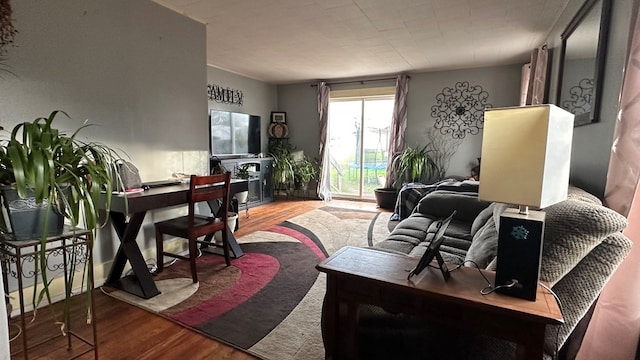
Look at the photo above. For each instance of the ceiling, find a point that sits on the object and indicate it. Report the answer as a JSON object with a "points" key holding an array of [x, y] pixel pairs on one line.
{"points": [[288, 41]]}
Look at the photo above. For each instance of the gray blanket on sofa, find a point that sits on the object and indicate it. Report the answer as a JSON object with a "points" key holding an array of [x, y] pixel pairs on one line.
{"points": [[411, 193]]}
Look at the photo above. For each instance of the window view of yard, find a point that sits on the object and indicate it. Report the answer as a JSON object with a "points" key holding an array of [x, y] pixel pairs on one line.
{"points": [[358, 143]]}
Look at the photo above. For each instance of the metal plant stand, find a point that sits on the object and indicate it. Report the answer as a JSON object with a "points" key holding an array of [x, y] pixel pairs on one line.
{"points": [[19, 258]]}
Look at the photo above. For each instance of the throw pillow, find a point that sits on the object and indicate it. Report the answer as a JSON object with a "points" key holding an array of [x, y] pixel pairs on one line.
{"points": [[575, 193], [572, 229], [481, 219]]}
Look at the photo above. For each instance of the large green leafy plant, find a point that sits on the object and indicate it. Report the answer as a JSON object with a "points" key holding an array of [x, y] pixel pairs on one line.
{"points": [[415, 165], [283, 176], [303, 172], [72, 175]]}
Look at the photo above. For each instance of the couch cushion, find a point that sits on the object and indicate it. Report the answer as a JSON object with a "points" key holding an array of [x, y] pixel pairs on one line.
{"points": [[413, 234], [581, 287], [484, 246], [407, 234], [572, 229], [441, 203], [481, 219], [575, 193]]}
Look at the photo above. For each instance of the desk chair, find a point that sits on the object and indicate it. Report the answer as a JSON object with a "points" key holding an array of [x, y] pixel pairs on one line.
{"points": [[193, 226]]}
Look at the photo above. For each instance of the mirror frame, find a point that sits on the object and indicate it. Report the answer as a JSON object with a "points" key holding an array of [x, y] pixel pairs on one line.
{"points": [[603, 34]]}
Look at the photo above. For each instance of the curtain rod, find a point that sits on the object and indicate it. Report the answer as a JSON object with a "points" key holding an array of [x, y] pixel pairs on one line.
{"points": [[357, 81]]}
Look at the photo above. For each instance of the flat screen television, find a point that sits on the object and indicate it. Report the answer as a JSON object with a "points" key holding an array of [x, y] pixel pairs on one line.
{"points": [[232, 133]]}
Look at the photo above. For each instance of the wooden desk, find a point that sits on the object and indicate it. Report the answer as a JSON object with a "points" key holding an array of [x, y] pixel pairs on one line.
{"points": [[127, 213], [364, 276]]}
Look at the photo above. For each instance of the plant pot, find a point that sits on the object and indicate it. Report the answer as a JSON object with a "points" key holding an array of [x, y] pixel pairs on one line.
{"points": [[24, 219], [232, 218], [386, 198], [242, 197]]}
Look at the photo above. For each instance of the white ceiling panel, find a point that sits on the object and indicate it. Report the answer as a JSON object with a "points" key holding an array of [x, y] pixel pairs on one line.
{"points": [[287, 41]]}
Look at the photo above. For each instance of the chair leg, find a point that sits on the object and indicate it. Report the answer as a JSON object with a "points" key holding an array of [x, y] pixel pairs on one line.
{"points": [[225, 245], [159, 251], [246, 210], [193, 254]]}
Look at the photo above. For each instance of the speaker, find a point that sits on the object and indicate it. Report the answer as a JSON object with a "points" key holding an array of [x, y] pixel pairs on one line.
{"points": [[519, 253]]}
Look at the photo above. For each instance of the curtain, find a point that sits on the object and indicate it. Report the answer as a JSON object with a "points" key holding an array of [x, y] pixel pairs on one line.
{"points": [[324, 183], [534, 77], [524, 83], [397, 141], [616, 319]]}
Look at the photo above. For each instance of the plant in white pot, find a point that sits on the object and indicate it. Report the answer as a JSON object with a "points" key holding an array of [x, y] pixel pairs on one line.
{"points": [[62, 175], [243, 196]]}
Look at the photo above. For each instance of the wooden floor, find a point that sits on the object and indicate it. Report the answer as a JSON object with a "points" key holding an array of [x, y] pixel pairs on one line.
{"points": [[127, 332]]}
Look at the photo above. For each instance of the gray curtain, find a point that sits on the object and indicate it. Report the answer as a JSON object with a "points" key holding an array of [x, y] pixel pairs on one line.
{"points": [[397, 142], [324, 183]]}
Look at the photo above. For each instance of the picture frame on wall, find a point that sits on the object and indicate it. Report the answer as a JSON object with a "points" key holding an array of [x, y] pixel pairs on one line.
{"points": [[278, 117]]}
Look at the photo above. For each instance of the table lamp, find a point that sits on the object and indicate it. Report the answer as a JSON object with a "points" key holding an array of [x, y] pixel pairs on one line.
{"points": [[526, 153]]}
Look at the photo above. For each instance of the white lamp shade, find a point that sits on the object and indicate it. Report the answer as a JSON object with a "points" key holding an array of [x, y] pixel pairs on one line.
{"points": [[526, 153]]}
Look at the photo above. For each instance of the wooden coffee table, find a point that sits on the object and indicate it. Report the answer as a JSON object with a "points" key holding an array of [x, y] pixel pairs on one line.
{"points": [[364, 276]]}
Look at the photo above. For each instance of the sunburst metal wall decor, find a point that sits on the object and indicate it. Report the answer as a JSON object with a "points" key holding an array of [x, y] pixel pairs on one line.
{"points": [[460, 110]]}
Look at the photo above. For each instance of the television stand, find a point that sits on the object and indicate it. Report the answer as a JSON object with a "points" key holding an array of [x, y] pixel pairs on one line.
{"points": [[260, 183]]}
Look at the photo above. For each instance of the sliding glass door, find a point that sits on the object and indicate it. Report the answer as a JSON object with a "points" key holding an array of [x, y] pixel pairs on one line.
{"points": [[358, 143]]}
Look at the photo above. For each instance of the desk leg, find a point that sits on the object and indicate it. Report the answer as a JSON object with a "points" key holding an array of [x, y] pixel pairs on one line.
{"points": [[141, 283], [531, 347]]}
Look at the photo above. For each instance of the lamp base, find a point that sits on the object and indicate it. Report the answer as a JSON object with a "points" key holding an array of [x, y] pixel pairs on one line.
{"points": [[519, 253]]}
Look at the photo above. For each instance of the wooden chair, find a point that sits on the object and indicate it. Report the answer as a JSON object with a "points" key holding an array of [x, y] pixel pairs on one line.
{"points": [[193, 226]]}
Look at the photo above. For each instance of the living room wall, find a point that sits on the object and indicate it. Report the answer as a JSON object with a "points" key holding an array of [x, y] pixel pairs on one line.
{"points": [[259, 98], [592, 143], [132, 67], [501, 83]]}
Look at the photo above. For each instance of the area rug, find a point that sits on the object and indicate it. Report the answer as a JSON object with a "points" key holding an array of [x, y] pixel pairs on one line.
{"points": [[269, 301]]}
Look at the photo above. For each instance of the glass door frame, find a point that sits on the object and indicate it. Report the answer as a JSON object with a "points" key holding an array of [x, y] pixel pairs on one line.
{"points": [[361, 157]]}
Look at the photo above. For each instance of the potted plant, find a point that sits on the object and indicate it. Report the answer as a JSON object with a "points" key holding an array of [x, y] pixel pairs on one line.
{"points": [[411, 165], [283, 176], [242, 172], [62, 174], [303, 172], [415, 165]]}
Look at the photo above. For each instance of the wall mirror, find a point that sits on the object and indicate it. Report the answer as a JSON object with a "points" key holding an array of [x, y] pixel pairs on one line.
{"points": [[582, 56]]}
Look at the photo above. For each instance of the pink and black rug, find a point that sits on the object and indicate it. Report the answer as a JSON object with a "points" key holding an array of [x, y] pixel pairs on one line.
{"points": [[269, 301]]}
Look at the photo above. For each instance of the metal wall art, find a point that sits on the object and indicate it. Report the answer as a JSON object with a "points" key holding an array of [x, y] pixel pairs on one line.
{"points": [[223, 95], [580, 98], [460, 110]]}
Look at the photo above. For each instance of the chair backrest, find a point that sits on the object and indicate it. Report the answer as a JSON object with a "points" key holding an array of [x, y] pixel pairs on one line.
{"points": [[209, 188]]}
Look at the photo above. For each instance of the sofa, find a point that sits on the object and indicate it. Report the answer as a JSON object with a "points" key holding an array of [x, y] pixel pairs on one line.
{"points": [[583, 246]]}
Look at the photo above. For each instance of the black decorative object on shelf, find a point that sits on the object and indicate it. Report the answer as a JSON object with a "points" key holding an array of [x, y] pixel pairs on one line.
{"points": [[460, 110], [223, 95], [580, 98]]}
